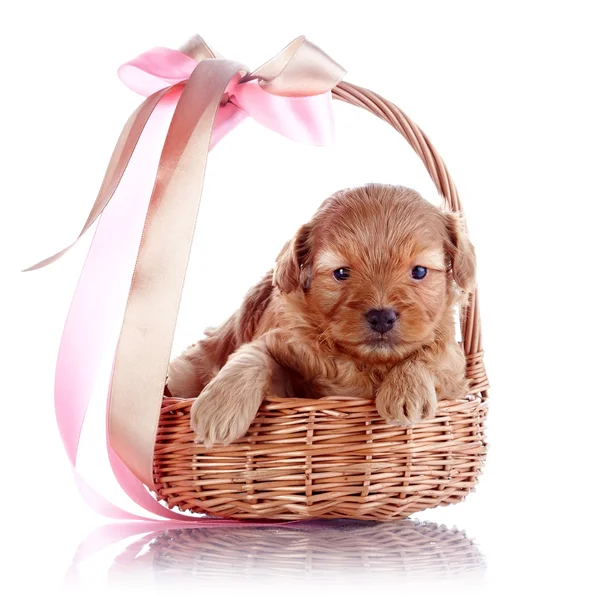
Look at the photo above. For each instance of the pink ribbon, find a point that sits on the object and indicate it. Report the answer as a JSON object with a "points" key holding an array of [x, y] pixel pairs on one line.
{"points": [[91, 332]]}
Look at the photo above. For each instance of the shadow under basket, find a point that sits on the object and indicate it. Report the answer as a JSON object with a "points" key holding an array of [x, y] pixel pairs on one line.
{"points": [[335, 457], [327, 458]]}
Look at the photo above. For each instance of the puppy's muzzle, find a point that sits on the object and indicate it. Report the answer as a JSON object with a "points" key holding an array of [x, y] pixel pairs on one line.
{"points": [[381, 320]]}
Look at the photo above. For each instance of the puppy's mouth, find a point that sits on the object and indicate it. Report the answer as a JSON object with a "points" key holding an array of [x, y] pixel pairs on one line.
{"points": [[372, 343], [381, 341], [375, 340], [374, 348]]}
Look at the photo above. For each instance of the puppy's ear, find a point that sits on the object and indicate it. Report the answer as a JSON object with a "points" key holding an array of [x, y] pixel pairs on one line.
{"points": [[461, 253], [293, 268]]}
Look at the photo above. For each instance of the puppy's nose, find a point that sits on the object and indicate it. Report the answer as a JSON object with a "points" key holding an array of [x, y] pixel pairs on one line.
{"points": [[381, 319]]}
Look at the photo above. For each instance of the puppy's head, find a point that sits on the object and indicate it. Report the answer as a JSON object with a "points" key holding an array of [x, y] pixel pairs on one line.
{"points": [[376, 270]]}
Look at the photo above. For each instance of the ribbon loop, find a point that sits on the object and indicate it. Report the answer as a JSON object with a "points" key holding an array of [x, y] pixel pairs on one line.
{"points": [[300, 69], [198, 49]]}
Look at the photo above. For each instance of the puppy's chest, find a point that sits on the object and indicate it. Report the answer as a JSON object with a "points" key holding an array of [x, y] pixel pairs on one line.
{"points": [[346, 378]]}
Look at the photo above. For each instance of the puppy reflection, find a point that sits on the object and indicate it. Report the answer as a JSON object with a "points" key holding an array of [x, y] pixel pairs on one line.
{"points": [[360, 303]]}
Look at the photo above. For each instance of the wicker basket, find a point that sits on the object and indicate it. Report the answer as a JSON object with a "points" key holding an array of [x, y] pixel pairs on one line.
{"points": [[335, 457], [304, 551]]}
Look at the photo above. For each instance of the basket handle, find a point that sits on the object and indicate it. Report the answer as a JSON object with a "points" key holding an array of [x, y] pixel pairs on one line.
{"points": [[390, 113]]}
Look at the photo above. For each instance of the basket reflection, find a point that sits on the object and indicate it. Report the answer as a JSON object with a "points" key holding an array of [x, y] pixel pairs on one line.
{"points": [[312, 550]]}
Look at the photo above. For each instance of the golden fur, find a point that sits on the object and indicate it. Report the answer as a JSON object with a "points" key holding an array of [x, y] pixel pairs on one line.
{"points": [[301, 332]]}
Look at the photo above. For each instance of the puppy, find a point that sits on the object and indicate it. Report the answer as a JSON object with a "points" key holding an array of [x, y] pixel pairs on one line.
{"points": [[360, 303]]}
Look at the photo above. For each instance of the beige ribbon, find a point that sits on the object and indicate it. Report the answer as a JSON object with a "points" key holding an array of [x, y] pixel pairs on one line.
{"points": [[144, 346]]}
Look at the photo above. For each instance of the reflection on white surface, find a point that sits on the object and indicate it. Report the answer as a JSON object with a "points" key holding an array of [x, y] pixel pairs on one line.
{"points": [[309, 551]]}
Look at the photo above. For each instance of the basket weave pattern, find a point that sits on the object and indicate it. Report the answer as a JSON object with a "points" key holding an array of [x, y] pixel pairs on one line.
{"points": [[335, 457]]}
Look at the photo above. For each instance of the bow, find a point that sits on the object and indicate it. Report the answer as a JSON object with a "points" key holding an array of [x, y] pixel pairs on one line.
{"points": [[289, 94], [120, 326]]}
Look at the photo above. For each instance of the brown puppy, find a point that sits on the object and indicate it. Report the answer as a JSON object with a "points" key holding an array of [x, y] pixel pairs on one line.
{"points": [[360, 303]]}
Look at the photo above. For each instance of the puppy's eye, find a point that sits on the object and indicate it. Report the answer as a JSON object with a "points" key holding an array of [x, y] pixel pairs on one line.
{"points": [[342, 274], [418, 272]]}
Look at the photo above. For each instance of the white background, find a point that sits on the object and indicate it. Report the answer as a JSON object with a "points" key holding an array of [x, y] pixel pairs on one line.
{"points": [[508, 93]]}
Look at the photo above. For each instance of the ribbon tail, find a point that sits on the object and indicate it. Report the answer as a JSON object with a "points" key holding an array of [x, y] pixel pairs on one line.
{"points": [[117, 165], [91, 334], [146, 338], [87, 348]]}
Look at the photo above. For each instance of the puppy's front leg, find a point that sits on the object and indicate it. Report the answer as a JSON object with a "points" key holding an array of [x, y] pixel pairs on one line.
{"points": [[226, 407], [407, 395]]}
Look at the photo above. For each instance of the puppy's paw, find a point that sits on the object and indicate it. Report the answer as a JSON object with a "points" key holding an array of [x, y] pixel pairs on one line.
{"points": [[219, 416], [412, 400]]}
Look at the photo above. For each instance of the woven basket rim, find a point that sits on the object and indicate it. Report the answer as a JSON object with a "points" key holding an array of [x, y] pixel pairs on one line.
{"points": [[276, 403]]}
